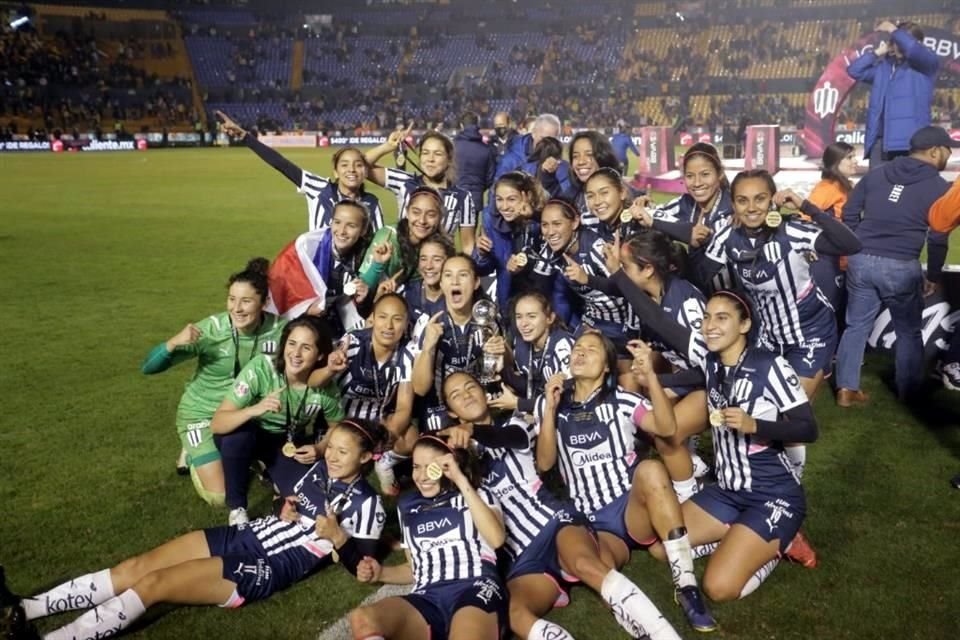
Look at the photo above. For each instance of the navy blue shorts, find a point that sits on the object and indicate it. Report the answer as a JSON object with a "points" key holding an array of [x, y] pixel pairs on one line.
{"points": [[613, 519], [542, 556], [246, 564], [770, 516], [438, 603], [811, 356]]}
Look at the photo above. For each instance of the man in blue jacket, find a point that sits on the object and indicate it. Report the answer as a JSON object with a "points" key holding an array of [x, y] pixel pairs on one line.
{"points": [[888, 210], [902, 73], [622, 142], [476, 161]]}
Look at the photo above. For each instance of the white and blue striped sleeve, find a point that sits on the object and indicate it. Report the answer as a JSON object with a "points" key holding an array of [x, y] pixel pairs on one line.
{"points": [[783, 388]]}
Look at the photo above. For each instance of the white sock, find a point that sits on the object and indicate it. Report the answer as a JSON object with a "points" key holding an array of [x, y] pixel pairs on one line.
{"points": [[685, 488], [704, 550], [84, 592], [103, 621], [757, 579], [680, 557], [633, 610], [546, 630], [390, 459], [798, 457]]}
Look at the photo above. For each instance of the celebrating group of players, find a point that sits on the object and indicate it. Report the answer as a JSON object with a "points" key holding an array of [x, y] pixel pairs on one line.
{"points": [[614, 342]]}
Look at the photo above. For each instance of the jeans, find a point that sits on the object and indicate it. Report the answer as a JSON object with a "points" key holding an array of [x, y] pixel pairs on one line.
{"points": [[873, 281]]}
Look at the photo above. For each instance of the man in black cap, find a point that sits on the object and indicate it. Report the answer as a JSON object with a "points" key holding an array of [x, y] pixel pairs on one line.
{"points": [[888, 211]]}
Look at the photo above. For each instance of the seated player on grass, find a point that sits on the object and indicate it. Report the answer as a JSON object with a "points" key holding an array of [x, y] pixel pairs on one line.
{"points": [[331, 514]]}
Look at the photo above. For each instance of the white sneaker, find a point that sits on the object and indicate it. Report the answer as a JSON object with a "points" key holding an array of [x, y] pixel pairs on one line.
{"points": [[238, 516], [386, 477], [700, 468]]}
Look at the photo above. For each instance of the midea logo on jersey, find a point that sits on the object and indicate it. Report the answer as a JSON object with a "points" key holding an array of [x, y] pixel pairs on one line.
{"points": [[825, 100], [433, 525], [581, 458]]}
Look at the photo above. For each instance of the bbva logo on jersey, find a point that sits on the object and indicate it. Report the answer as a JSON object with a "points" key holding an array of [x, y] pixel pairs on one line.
{"points": [[434, 526]]}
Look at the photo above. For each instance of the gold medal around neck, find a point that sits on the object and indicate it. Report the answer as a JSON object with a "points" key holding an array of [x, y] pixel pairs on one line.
{"points": [[774, 219], [716, 418], [434, 471], [521, 259], [289, 449], [626, 216]]}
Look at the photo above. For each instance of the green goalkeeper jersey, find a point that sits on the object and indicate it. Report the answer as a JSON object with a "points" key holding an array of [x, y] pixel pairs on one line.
{"points": [[260, 378], [220, 353]]}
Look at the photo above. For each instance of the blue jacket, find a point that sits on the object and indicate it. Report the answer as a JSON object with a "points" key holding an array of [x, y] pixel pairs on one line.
{"points": [[476, 161], [888, 212], [516, 158], [621, 143], [901, 94]]}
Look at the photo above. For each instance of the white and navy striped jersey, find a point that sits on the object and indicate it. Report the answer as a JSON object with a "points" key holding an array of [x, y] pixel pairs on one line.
{"points": [[322, 196], [443, 540], [368, 387], [539, 366], [512, 477], [685, 209], [459, 205], [764, 385], [417, 301], [358, 508], [775, 271], [460, 348], [597, 306], [596, 445], [684, 304]]}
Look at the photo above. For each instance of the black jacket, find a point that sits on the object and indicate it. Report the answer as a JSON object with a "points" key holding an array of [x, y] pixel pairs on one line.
{"points": [[476, 161]]}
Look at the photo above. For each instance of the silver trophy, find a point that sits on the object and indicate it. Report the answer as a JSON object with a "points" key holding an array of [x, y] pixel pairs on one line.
{"points": [[485, 319]]}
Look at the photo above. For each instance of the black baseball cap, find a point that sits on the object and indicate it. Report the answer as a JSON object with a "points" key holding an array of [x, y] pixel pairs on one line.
{"points": [[929, 137]]}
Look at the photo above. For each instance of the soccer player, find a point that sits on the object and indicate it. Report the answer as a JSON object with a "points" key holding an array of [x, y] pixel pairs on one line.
{"points": [[436, 159], [548, 546], [222, 344], [607, 197], [540, 348], [450, 531], [589, 425], [350, 170], [393, 250], [589, 151], [424, 296], [699, 214], [266, 413], [331, 514]]}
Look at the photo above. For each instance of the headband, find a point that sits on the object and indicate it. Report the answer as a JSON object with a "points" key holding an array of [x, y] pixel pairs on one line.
{"points": [[435, 439], [562, 203], [735, 296], [359, 428]]}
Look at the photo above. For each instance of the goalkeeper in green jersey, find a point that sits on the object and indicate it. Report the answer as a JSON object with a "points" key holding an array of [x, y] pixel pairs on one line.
{"points": [[222, 344]]}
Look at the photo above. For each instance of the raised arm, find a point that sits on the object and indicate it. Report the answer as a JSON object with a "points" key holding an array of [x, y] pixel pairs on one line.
{"points": [[378, 174], [547, 439], [177, 349]]}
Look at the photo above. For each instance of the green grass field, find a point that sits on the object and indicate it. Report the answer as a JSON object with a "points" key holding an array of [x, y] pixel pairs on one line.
{"points": [[105, 255]]}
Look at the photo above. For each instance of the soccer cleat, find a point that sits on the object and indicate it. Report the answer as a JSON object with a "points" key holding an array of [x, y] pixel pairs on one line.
{"points": [[695, 608], [950, 375], [386, 478], [238, 516], [13, 619], [801, 551], [182, 468]]}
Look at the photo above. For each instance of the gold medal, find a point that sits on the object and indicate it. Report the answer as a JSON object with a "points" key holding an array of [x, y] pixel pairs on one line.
{"points": [[716, 418], [289, 449], [626, 216], [774, 219], [349, 288], [434, 471], [521, 259]]}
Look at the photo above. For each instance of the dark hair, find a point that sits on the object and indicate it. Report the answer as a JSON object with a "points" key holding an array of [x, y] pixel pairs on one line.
{"points": [[610, 354], [443, 384], [468, 118], [570, 211], [371, 436], [409, 253], [466, 460], [832, 156], [451, 172], [524, 183], [548, 147], [602, 152], [545, 304], [254, 274], [739, 299], [363, 242], [913, 28], [753, 174], [652, 247], [393, 295], [321, 334], [342, 150], [441, 239], [615, 179], [710, 153]]}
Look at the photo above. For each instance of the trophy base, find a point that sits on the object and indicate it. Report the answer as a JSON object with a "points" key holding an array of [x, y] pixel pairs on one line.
{"points": [[492, 387]]}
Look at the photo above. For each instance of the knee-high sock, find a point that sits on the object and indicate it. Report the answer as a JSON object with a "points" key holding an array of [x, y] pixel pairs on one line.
{"points": [[390, 459], [80, 593], [685, 488], [680, 557], [105, 620], [757, 579], [704, 550], [633, 609], [546, 630]]}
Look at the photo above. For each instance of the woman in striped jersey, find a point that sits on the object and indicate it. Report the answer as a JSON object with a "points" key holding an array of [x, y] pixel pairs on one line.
{"points": [[437, 163], [589, 152], [450, 529], [331, 514], [549, 546], [222, 344], [424, 296], [350, 170], [589, 425], [607, 198]]}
